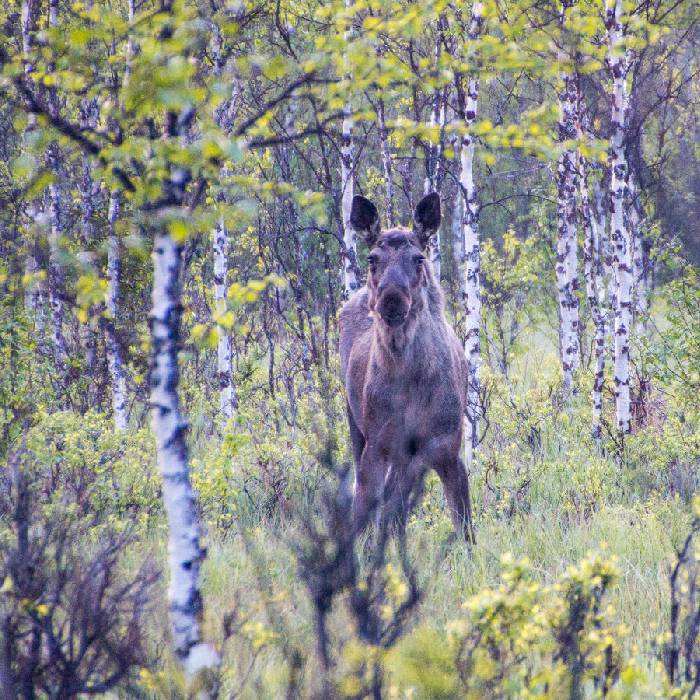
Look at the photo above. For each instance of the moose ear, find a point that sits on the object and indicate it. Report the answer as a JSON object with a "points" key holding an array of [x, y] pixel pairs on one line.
{"points": [[364, 218], [426, 219]]}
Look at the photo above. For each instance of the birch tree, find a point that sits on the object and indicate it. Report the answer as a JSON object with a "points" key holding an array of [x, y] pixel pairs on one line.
{"points": [[113, 349], [163, 180], [457, 224], [89, 190], [35, 300], [115, 360], [224, 368], [600, 210], [386, 163], [220, 241], [470, 268], [56, 230], [618, 65], [438, 119], [641, 264], [595, 293], [185, 551], [567, 254], [347, 180]]}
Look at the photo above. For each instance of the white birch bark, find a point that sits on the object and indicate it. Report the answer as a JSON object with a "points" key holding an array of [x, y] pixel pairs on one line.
{"points": [[347, 188], [442, 123], [60, 348], [438, 118], [224, 366], [457, 223], [471, 249], [89, 193], [608, 297], [30, 11], [35, 292], [224, 355], [595, 294], [113, 349], [600, 210], [55, 271], [185, 551], [130, 44], [641, 263], [115, 361], [618, 64], [567, 244], [386, 163]]}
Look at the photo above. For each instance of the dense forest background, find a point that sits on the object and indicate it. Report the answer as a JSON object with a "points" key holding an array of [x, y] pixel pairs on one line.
{"points": [[176, 179]]}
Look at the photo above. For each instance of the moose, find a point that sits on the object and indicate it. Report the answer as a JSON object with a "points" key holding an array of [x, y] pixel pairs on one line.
{"points": [[405, 374]]}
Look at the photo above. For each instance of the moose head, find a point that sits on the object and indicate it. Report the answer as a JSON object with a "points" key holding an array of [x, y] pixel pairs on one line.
{"points": [[397, 264]]}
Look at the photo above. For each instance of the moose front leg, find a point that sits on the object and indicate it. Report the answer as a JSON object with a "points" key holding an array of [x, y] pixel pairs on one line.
{"points": [[369, 486]]}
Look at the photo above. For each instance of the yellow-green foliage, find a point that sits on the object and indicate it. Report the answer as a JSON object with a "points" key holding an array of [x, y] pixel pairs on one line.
{"points": [[521, 640], [82, 460]]}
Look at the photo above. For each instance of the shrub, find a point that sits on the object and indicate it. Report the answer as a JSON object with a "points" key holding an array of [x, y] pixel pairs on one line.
{"points": [[522, 639], [73, 621]]}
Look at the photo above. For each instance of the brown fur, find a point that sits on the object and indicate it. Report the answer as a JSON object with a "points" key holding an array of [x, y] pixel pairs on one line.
{"points": [[405, 375]]}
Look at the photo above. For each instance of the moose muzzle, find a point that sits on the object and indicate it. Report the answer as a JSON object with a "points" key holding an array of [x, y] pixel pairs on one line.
{"points": [[394, 299]]}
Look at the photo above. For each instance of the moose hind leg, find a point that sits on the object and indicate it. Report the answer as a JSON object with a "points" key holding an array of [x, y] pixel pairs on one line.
{"points": [[455, 482], [403, 488]]}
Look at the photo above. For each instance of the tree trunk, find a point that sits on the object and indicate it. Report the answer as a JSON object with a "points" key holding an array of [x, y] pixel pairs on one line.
{"points": [[594, 294], [347, 191], [224, 356], [89, 192], [185, 552], [600, 211], [641, 263], [618, 63], [471, 249], [60, 348], [35, 292], [224, 368], [130, 44], [567, 244], [438, 117], [386, 164], [114, 355], [457, 242]]}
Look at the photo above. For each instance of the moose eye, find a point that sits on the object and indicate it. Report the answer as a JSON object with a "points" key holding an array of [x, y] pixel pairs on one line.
{"points": [[418, 260], [372, 260]]}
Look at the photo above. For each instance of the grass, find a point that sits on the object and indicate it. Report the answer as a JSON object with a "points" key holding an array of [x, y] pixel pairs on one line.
{"points": [[254, 573]]}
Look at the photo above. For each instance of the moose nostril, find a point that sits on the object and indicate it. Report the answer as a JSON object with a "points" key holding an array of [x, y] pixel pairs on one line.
{"points": [[392, 303], [393, 308]]}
